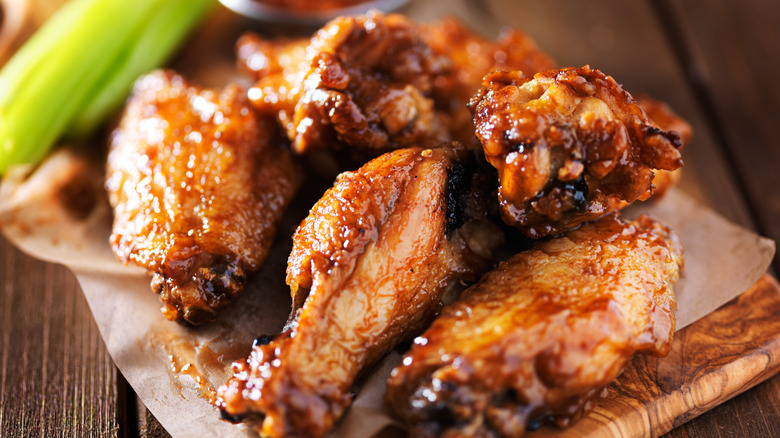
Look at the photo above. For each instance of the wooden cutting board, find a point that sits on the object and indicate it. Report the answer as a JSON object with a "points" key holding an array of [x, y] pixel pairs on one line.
{"points": [[712, 360]]}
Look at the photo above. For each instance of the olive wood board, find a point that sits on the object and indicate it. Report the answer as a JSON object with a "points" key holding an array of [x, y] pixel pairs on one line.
{"points": [[712, 360]]}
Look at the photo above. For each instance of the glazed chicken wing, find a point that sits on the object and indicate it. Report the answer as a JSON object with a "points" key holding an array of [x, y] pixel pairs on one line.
{"points": [[198, 182], [543, 333], [364, 82], [371, 265], [570, 146], [379, 82]]}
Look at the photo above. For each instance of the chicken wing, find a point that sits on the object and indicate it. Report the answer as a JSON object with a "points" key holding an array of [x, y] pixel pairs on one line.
{"points": [[364, 82], [570, 146], [371, 265], [379, 82], [198, 182], [542, 334]]}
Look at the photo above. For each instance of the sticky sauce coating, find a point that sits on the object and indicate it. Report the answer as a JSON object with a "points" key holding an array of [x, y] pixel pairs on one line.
{"points": [[542, 334], [570, 146], [198, 182], [373, 263]]}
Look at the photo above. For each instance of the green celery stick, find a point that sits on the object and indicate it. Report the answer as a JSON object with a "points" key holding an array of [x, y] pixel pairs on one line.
{"points": [[34, 53], [160, 37], [51, 94], [48, 99], [43, 97]]}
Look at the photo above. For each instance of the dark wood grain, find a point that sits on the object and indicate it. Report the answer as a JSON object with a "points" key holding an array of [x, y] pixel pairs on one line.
{"points": [[148, 426], [731, 54], [56, 377], [744, 415]]}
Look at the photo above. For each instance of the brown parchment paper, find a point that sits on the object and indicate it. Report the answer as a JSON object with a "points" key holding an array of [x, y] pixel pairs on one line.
{"points": [[59, 214]]}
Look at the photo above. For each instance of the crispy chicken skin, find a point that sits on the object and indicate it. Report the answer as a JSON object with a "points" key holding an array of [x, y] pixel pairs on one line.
{"points": [[198, 182], [543, 333], [570, 146], [373, 263], [379, 82]]}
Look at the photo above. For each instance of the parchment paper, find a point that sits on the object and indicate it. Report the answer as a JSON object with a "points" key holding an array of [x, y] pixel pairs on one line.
{"points": [[174, 369]]}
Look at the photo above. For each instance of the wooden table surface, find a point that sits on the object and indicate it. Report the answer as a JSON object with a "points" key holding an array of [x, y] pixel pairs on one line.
{"points": [[713, 61]]}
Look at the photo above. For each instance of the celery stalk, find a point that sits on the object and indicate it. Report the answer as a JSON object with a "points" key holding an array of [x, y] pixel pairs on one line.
{"points": [[50, 96], [80, 70], [161, 35], [33, 54]]}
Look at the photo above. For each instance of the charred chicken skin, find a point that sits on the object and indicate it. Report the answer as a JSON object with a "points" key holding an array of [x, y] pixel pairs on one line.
{"points": [[198, 182], [570, 146], [379, 82], [666, 119], [373, 263], [543, 333]]}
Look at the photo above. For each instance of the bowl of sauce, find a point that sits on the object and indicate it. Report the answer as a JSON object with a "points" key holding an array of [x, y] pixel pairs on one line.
{"points": [[312, 12]]}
